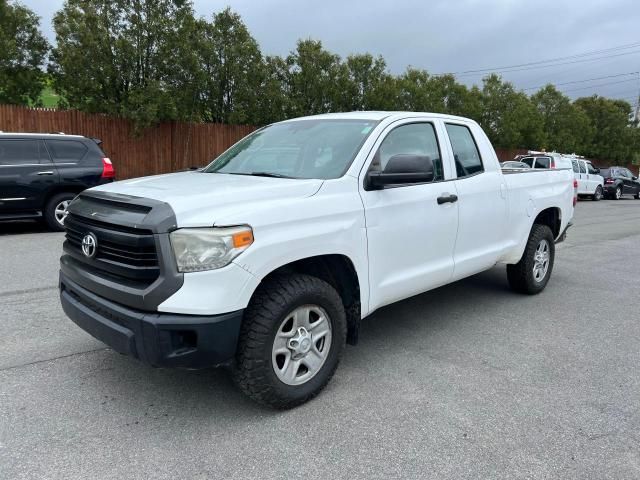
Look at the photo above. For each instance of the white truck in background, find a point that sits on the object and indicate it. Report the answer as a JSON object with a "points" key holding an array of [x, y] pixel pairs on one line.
{"points": [[269, 257], [590, 182]]}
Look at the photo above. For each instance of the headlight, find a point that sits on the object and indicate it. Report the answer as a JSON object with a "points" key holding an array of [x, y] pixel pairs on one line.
{"points": [[198, 249]]}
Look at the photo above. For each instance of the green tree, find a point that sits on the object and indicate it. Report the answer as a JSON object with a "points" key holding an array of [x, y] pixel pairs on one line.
{"points": [[231, 69], [612, 134], [23, 50], [274, 101], [311, 79], [566, 127], [509, 117], [121, 57], [367, 85]]}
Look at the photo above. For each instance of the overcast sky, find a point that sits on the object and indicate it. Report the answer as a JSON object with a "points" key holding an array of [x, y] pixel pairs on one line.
{"points": [[455, 36]]}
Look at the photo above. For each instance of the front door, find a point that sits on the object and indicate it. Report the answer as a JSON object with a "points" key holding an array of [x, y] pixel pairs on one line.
{"points": [[410, 235]]}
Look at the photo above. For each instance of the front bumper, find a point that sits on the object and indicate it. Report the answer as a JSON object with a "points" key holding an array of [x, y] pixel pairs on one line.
{"points": [[158, 339]]}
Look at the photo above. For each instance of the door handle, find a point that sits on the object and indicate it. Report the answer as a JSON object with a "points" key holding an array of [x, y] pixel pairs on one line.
{"points": [[48, 172], [447, 199]]}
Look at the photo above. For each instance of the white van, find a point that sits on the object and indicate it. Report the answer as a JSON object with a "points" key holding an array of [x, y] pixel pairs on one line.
{"points": [[590, 183]]}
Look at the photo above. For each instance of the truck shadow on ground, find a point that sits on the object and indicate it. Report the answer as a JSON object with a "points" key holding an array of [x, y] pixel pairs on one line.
{"points": [[211, 392]]}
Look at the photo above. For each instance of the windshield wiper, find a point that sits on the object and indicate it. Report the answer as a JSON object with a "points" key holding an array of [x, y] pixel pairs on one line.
{"points": [[268, 174]]}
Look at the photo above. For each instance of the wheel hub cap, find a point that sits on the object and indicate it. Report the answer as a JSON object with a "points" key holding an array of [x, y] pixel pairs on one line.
{"points": [[301, 345]]}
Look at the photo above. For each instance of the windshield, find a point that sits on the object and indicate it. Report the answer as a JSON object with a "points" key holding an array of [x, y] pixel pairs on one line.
{"points": [[320, 149]]}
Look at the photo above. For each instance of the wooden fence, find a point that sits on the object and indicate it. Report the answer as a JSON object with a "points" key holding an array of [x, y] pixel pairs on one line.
{"points": [[167, 147]]}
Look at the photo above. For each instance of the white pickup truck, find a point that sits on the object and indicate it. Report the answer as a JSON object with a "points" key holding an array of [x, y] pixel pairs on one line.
{"points": [[269, 257]]}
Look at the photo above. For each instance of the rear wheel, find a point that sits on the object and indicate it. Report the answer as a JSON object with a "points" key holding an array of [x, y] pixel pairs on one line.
{"points": [[531, 274], [292, 338], [618, 194], [55, 211], [598, 194], [637, 195]]}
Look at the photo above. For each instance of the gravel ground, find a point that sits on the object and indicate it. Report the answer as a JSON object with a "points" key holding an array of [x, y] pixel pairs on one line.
{"points": [[467, 381]]}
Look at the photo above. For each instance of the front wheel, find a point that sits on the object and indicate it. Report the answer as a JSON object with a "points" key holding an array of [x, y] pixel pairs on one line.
{"points": [[292, 337], [598, 194], [531, 274]]}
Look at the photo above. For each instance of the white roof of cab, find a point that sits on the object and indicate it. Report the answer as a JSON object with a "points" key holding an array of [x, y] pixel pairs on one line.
{"points": [[377, 116]]}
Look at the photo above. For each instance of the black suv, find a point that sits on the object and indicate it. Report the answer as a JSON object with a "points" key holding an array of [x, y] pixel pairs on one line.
{"points": [[41, 173], [619, 181]]}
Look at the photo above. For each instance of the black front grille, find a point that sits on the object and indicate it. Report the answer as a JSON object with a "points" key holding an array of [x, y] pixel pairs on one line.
{"points": [[122, 252]]}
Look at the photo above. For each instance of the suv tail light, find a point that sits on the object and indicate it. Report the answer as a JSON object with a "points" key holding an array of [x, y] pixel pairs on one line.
{"points": [[107, 168], [553, 163], [608, 180], [575, 192]]}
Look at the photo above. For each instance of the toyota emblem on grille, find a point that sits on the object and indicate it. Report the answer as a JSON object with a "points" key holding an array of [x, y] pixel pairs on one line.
{"points": [[89, 245]]}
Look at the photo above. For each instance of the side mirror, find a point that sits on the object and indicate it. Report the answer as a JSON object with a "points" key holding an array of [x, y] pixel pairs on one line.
{"points": [[634, 178], [597, 170], [401, 168]]}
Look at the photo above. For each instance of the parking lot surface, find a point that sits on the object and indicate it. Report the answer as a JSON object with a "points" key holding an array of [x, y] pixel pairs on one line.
{"points": [[467, 381]]}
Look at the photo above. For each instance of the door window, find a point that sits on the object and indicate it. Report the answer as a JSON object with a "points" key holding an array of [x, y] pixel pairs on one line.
{"points": [[574, 165], [412, 139], [543, 162], [22, 152], [528, 161], [465, 150], [590, 169], [582, 167], [66, 151]]}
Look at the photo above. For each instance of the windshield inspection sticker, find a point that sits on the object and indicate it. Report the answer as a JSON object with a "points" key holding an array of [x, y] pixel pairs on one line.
{"points": [[366, 129]]}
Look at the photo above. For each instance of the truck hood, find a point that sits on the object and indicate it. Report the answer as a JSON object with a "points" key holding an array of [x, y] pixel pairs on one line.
{"points": [[203, 199]]}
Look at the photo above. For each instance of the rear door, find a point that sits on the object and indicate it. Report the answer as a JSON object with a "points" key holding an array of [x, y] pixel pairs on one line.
{"points": [[26, 175], [482, 200], [78, 165]]}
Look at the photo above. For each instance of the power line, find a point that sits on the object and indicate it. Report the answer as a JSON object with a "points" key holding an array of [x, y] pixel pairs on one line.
{"points": [[607, 57], [600, 85], [557, 59], [582, 81]]}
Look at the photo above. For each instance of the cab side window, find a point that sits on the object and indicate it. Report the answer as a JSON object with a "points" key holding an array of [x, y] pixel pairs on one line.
{"points": [[413, 139], [22, 152], [590, 169], [66, 151], [465, 150], [543, 162]]}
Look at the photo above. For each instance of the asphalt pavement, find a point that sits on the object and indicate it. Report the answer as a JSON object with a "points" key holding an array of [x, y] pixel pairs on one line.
{"points": [[467, 381]]}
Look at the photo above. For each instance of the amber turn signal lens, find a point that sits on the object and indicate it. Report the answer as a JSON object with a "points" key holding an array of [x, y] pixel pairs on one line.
{"points": [[242, 239]]}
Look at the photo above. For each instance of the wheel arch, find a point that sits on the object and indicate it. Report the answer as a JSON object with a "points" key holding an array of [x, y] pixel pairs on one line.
{"points": [[339, 271], [551, 217]]}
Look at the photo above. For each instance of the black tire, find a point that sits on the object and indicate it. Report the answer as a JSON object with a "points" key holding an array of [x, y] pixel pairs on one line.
{"points": [[598, 194], [618, 193], [49, 213], [271, 304], [637, 195], [521, 277]]}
